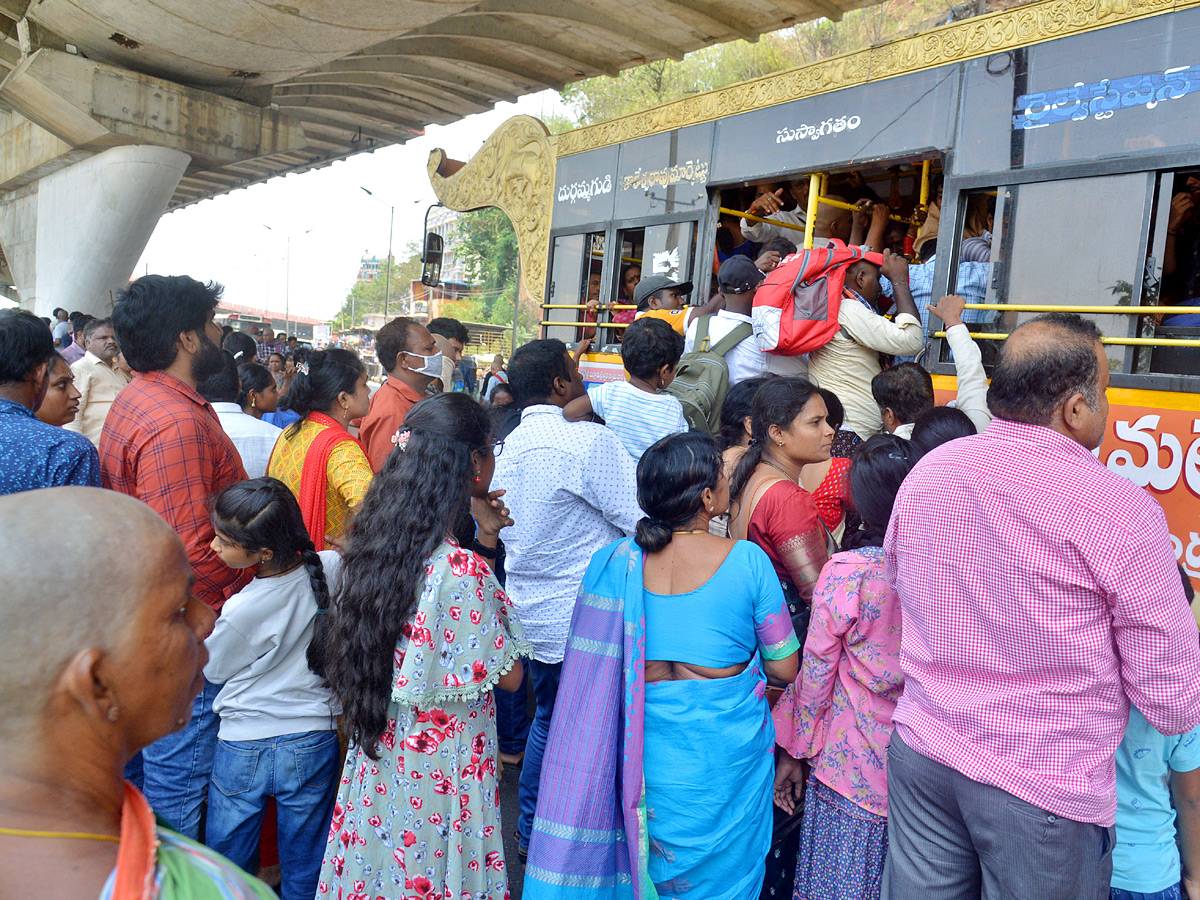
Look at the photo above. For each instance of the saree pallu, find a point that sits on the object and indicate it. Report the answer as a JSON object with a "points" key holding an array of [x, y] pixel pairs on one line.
{"points": [[647, 791]]}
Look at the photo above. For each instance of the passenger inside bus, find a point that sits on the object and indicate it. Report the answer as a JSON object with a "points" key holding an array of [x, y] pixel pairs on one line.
{"points": [[1181, 259]]}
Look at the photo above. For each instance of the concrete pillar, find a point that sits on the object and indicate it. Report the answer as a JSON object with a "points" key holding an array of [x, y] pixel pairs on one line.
{"points": [[74, 236]]}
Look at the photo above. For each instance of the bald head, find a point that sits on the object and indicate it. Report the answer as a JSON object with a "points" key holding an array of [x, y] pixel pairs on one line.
{"points": [[832, 221], [117, 548], [1043, 363]]}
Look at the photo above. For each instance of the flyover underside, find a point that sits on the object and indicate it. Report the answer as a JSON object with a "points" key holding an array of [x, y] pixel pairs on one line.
{"points": [[243, 92]]}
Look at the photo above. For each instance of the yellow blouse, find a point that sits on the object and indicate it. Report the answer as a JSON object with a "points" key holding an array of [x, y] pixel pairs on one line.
{"points": [[347, 475]]}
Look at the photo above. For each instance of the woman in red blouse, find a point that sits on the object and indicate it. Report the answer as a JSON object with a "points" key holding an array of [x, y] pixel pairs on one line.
{"points": [[789, 430]]}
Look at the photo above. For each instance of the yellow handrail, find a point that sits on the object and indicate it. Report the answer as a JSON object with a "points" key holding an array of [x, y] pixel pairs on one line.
{"points": [[1132, 342], [754, 218], [1092, 310], [582, 306], [583, 324]]}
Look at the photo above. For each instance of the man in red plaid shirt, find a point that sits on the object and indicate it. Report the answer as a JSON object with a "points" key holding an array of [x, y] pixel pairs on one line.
{"points": [[163, 444]]}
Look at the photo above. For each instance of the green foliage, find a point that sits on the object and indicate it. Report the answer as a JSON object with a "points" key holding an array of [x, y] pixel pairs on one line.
{"points": [[367, 296], [487, 246], [662, 81]]}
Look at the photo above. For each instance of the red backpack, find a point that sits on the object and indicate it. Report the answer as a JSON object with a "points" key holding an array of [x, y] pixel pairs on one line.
{"points": [[796, 307]]}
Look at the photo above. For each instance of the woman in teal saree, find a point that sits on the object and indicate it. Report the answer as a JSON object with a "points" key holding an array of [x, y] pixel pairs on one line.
{"points": [[658, 772]]}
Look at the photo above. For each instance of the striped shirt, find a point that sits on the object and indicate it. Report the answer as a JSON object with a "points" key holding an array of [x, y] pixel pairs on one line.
{"points": [[639, 418], [1040, 597]]}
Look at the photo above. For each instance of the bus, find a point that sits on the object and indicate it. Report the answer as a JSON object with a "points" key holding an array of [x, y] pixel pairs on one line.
{"points": [[1066, 132]]}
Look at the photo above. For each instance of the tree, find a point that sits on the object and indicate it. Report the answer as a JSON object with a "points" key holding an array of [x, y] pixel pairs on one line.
{"points": [[602, 98], [487, 245], [367, 297]]}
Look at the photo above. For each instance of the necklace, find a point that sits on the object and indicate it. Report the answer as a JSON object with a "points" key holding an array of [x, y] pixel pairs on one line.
{"points": [[81, 835], [778, 468], [692, 531]]}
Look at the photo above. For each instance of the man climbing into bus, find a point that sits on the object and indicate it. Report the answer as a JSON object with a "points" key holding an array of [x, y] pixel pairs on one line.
{"points": [[662, 297], [849, 362]]}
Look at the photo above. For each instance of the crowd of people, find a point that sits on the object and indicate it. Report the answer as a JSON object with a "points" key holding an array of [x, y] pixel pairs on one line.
{"points": [[850, 644]]}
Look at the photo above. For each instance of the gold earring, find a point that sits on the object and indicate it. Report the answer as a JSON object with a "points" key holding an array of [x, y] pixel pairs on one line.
{"points": [[253, 403], [113, 713]]}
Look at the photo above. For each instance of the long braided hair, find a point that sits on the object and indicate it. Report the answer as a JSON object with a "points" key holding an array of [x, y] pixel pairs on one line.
{"points": [[262, 514], [419, 498]]}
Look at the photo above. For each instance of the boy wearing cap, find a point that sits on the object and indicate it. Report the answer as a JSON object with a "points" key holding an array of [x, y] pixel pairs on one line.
{"points": [[661, 297]]}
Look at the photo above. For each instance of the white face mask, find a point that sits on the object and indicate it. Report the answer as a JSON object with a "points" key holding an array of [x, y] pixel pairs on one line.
{"points": [[433, 364]]}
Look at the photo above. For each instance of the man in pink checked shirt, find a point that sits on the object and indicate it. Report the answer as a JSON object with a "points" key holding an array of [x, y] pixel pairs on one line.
{"points": [[1040, 597]]}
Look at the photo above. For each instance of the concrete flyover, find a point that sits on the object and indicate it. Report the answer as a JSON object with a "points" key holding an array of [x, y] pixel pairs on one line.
{"points": [[114, 111]]}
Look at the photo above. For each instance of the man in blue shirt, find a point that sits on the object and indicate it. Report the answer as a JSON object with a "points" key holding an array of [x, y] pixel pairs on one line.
{"points": [[32, 453]]}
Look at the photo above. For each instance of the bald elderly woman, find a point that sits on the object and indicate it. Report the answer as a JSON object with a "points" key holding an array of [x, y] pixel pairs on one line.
{"points": [[92, 670]]}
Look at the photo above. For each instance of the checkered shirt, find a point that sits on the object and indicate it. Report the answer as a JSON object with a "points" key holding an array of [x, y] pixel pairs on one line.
{"points": [[1039, 596]]}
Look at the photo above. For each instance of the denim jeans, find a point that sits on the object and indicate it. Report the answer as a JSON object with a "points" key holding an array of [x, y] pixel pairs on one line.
{"points": [[545, 688], [176, 768], [300, 771], [1171, 893], [512, 717]]}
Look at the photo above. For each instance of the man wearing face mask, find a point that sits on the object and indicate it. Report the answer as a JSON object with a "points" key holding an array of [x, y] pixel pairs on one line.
{"points": [[406, 350], [163, 444]]}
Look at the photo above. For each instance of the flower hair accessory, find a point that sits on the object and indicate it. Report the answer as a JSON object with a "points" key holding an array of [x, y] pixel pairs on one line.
{"points": [[302, 368], [400, 438]]}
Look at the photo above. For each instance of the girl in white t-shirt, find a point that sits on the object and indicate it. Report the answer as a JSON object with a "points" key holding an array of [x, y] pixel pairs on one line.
{"points": [[278, 733]]}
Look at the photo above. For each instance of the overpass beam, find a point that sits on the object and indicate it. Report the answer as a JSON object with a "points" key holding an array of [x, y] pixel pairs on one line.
{"points": [[73, 236]]}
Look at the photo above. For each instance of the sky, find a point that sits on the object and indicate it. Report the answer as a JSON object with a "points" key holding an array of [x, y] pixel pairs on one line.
{"points": [[323, 217]]}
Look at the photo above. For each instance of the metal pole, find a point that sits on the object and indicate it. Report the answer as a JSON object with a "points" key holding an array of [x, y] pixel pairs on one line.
{"points": [[516, 312], [387, 291], [287, 289]]}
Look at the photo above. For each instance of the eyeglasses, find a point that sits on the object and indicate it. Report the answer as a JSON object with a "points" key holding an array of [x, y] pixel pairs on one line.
{"points": [[497, 447]]}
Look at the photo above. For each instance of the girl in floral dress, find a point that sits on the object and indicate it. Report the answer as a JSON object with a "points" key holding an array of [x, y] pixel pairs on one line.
{"points": [[417, 637], [838, 714]]}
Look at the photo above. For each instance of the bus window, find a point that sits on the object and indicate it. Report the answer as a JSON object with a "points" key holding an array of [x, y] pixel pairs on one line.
{"points": [[575, 272], [668, 250], [1063, 244], [629, 272], [1173, 275]]}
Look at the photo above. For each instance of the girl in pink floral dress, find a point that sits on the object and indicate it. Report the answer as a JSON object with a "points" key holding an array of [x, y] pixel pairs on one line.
{"points": [[415, 641], [838, 714]]}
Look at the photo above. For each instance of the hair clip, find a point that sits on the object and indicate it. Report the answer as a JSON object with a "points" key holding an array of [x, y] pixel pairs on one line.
{"points": [[400, 438], [302, 368]]}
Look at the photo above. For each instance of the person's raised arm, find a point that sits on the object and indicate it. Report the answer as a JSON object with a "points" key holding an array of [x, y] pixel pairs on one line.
{"points": [[879, 224], [578, 410], [895, 267], [715, 304], [968, 361]]}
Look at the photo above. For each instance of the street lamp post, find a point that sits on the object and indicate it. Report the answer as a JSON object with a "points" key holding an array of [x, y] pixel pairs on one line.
{"points": [[387, 287], [287, 280]]}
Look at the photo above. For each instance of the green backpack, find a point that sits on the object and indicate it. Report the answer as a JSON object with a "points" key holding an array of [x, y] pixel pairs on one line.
{"points": [[702, 376]]}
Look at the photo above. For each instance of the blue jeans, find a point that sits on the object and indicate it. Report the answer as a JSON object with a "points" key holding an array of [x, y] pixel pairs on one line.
{"points": [[300, 771], [177, 767], [512, 720], [1171, 893], [545, 689]]}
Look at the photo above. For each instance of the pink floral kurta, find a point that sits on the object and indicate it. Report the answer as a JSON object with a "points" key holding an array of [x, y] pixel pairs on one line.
{"points": [[838, 714], [423, 821]]}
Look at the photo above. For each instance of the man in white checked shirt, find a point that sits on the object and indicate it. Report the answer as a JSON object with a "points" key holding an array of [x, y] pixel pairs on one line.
{"points": [[572, 489]]}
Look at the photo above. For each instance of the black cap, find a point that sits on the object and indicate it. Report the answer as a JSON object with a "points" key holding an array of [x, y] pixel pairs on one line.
{"points": [[654, 284], [738, 274]]}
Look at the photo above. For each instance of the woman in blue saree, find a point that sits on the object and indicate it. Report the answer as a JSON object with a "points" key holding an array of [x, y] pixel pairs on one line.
{"points": [[658, 772]]}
